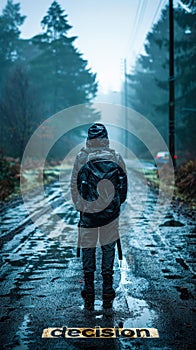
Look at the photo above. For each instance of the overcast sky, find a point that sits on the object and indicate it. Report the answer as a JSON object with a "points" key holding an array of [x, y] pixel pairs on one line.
{"points": [[108, 30]]}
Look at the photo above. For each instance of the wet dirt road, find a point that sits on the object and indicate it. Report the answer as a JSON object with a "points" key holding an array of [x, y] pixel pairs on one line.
{"points": [[41, 277]]}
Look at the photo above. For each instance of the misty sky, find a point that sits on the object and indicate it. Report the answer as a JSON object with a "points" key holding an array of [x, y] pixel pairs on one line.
{"points": [[108, 30]]}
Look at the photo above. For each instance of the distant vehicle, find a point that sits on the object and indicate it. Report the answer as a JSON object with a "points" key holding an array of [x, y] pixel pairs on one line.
{"points": [[162, 158]]}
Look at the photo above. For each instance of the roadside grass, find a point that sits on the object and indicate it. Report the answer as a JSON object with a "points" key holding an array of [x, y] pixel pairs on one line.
{"points": [[11, 176], [184, 185], [34, 176]]}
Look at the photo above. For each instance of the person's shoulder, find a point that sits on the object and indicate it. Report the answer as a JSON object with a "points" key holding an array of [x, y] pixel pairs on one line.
{"points": [[119, 159], [83, 153], [83, 150], [115, 153]]}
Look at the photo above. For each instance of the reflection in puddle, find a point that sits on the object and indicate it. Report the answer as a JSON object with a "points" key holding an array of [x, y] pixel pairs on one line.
{"points": [[142, 316], [123, 271], [23, 334]]}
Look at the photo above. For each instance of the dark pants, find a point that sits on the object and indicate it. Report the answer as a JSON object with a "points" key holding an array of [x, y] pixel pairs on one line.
{"points": [[107, 235]]}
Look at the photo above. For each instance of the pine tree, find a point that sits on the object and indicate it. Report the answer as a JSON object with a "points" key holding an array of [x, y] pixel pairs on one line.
{"points": [[19, 111], [10, 22], [55, 23], [185, 48], [149, 82], [59, 71]]}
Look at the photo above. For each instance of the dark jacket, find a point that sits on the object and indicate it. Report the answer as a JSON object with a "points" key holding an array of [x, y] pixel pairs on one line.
{"points": [[112, 211]]}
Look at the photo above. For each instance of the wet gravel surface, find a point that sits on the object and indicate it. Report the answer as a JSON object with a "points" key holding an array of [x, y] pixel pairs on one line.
{"points": [[41, 277]]}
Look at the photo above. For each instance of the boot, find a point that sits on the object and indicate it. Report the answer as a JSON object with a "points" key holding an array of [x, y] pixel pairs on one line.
{"points": [[108, 291], [88, 293]]}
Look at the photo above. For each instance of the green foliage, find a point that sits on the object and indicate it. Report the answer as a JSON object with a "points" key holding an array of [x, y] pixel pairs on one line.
{"points": [[40, 77], [10, 22], [149, 83], [186, 180], [185, 79], [9, 176], [55, 23], [19, 110], [65, 78]]}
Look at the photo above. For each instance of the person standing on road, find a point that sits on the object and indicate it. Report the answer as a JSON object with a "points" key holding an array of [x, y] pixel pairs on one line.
{"points": [[98, 188]]}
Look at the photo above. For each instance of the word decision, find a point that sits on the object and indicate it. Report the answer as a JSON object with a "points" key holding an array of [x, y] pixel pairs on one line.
{"points": [[99, 332]]}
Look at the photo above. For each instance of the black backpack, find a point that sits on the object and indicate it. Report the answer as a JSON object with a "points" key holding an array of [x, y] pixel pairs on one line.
{"points": [[100, 165]]}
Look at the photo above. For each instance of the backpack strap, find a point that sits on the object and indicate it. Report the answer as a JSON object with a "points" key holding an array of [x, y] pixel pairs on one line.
{"points": [[99, 153], [79, 241], [119, 249]]}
